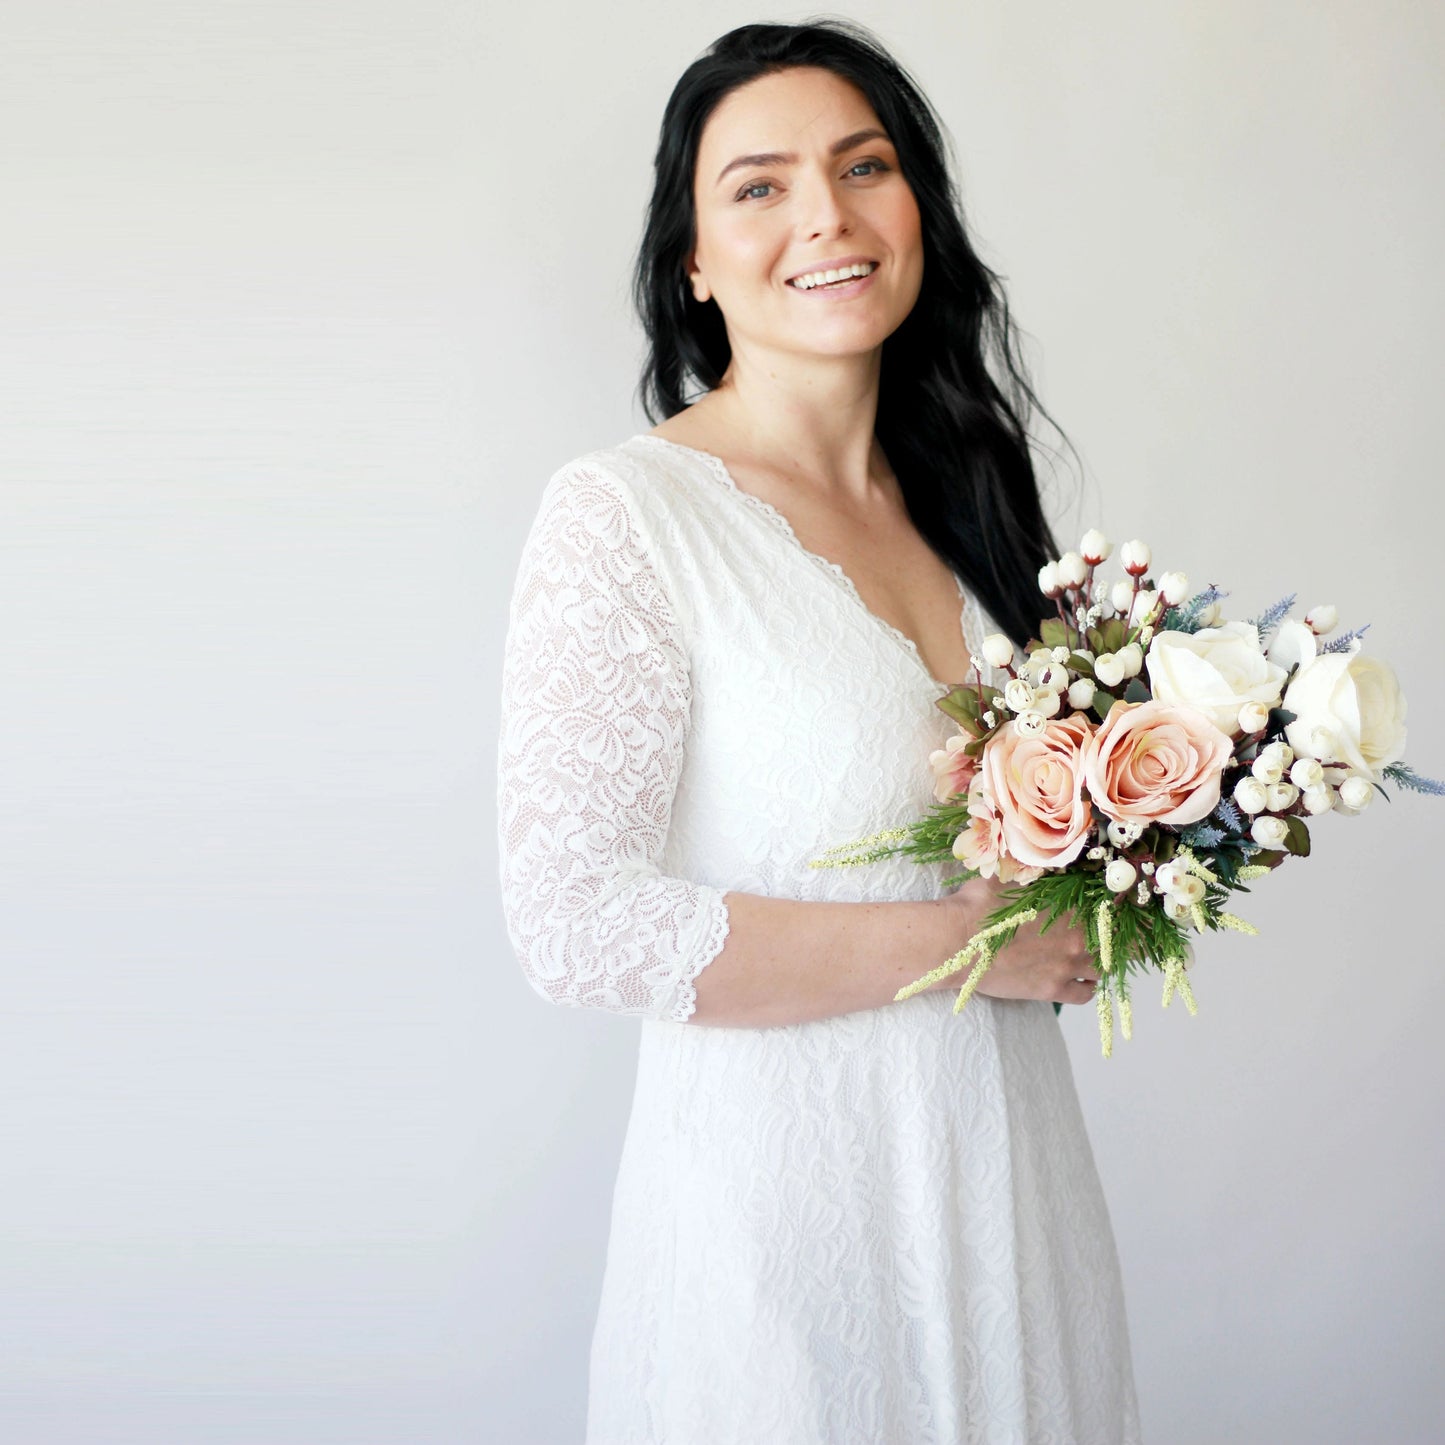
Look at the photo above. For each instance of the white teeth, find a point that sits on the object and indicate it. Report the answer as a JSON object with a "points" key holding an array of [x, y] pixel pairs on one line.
{"points": [[810, 279]]}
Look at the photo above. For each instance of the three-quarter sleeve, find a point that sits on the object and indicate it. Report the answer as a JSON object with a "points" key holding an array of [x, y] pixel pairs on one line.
{"points": [[596, 703]]}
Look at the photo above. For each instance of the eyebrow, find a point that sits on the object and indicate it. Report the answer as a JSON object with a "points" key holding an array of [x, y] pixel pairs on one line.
{"points": [[780, 158]]}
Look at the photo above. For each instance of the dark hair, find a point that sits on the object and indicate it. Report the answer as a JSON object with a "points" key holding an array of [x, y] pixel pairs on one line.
{"points": [[956, 437]]}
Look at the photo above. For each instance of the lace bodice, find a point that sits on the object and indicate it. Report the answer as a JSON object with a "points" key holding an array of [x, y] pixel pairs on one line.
{"points": [[656, 604]]}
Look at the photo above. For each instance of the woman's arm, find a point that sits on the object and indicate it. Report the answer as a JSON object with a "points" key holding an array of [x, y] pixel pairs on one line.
{"points": [[789, 962]]}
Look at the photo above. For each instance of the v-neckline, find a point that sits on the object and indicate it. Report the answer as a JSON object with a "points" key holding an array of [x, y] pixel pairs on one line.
{"points": [[720, 471]]}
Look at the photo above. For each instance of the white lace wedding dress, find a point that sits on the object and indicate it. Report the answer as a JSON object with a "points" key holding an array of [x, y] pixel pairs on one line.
{"points": [[881, 1228]]}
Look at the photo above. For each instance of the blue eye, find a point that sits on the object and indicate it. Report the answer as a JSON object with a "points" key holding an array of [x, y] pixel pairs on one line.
{"points": [[746, 193]]}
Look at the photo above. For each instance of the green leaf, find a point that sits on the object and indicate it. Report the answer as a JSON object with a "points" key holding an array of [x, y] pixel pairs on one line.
{"points": [[1103, 701], [1054, 633], [1298, 841], [1136, 691]]}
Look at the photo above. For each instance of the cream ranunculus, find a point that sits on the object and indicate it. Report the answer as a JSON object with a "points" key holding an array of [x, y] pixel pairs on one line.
{"points": [[1353, 704], [1217, 670]]}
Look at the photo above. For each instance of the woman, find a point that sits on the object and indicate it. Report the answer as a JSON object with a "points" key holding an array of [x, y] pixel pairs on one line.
{"points": [[837, 1218]]}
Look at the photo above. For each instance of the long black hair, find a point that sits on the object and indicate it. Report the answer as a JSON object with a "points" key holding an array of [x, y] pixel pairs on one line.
{"points": [[955, 435]]}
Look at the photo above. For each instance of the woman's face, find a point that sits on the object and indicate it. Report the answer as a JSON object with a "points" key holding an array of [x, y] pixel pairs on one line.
{"points": [[794, 174]]}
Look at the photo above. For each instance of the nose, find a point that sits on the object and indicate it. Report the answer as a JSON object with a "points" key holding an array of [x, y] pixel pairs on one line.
{"points": [[824, 210]]}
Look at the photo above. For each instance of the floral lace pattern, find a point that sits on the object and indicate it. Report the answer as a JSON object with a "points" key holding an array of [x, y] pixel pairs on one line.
{"points": [[882, 1226]]}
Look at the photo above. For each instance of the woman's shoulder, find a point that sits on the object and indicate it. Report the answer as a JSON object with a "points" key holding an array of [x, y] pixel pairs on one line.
{"points": [[648, 472]]}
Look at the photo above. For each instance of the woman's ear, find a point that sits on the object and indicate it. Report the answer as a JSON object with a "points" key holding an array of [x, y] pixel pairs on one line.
{"points": [[700, 288]]}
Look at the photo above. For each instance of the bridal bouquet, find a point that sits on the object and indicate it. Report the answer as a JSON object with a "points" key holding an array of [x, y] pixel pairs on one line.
{"points": [[1147, 760]]}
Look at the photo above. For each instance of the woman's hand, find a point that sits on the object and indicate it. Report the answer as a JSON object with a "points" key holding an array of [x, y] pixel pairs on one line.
{"points": [[1045, 967]]}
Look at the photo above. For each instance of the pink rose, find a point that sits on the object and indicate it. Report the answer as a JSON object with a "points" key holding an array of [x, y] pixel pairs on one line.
{"points": [[1037, 786], [953, 769], [1157, 762], [981, 845]]}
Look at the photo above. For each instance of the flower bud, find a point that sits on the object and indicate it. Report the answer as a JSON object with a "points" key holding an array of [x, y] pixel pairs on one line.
{"points": [[1124, 834], [1132, 656], [998, 650], [1135, 556], [1280, 797], [1031, 722], [1081, 694], [1145, 605], [1356, 791], [1072, 570], [1046, 701], [1017, 694], [1055, 676], [1318, 798], [1209, 616], [1253, 717], [1120, 875], [1323, 742], [1249, 794], [1280, 752], [1175, 587], [1269, 831], [1306, 773], [1095, 547], [1322, 619], [1188, 889], [1108, 669], [1049, 583], [1266, 766], [1121, 596]]}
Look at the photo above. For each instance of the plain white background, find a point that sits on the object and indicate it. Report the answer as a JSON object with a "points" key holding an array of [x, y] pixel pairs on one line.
{"points": [[299, 308]]}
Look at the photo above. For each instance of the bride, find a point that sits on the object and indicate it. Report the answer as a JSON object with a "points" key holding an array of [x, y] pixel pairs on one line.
{"points": [[837, 1218]]}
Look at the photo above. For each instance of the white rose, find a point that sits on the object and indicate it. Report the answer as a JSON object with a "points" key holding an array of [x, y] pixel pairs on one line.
{"points": [[1178, 910], [1121, 596], [1135, 556], [1095, 546], [1175, 587], [1250, 795], [1081, 694], [1046, 701], [1318, 798], [1322, 619], [1306, 773], [1031, 722], [1017, 694], [1072, 570], [1269, 831], [1267, 766], [1120, 875], [1188, 889], [1217, 670], [1280, 797], [1292, 645], [1356, 792], [1253, 717], [998, 650], [1109, 669], [1132, 656], [1167, 875], [1348, 709]]}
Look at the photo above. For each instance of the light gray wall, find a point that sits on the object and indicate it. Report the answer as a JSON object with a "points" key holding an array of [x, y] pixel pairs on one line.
{"points": [[299, 308]]}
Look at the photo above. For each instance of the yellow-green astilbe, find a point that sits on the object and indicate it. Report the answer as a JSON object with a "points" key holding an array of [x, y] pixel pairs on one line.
{"points": [[986, 943]]}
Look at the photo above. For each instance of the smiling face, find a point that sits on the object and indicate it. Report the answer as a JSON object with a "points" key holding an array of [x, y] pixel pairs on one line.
{"points": [[796, 175]]}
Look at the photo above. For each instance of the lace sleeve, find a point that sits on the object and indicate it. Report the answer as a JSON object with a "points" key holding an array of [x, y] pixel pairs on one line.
{"points": [[595, 709]]}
